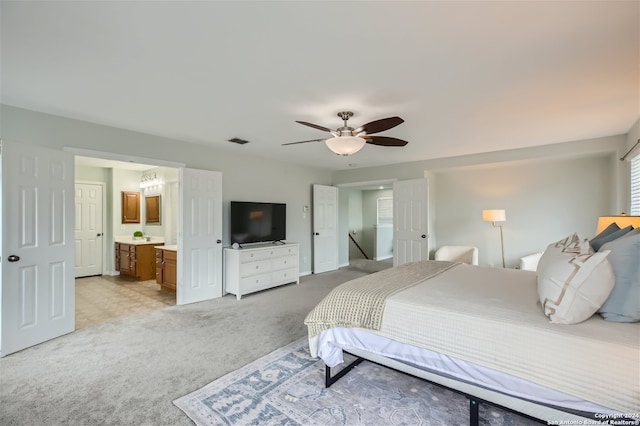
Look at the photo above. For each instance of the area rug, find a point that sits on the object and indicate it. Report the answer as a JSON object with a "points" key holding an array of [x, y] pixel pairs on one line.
{"points": [[286, 387]]}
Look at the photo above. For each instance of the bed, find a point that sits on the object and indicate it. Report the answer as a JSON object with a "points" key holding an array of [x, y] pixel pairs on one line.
{"points": [[482, 332]]}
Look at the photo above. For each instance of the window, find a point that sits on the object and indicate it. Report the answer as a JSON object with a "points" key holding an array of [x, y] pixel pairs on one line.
{"points": [[635, 186], [385, 210]]}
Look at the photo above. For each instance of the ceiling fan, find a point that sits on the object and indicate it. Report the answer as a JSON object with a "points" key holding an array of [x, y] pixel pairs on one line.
{"points": [[347, 140]]}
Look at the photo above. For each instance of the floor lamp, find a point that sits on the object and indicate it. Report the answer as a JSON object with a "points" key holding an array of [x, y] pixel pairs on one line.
{"points": [[494, 216]]}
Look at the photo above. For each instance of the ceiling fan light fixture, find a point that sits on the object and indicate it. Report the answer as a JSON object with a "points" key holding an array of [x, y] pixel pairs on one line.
{"points": [[345, 145]]}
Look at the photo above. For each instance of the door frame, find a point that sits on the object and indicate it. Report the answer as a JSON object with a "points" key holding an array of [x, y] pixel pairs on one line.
{"points": [[343, 209], [104, 218], [103, 155]]}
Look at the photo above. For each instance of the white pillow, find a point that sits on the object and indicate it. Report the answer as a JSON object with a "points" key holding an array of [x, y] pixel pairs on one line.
{"points": [[573, 281], [570, 245]]}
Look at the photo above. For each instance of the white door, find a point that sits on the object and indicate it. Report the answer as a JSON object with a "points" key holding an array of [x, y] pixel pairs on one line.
{"points": [[199, 236], [325, 228], [88, 230], [38, 300], [410, 221]]}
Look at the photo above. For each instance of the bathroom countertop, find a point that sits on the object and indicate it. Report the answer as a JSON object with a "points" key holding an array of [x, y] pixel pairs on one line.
{"points": [[130, 240], [169, 247]]}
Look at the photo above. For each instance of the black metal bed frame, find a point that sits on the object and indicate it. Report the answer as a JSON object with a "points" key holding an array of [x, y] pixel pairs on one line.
{"points": [[474, 402]]}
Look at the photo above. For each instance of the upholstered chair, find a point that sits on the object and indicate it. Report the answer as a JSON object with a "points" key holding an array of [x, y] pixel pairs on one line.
{"points": [[464, 254]]}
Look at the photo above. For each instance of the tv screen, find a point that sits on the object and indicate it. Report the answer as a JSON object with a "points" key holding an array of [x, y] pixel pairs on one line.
{"points": [[257, 222]]}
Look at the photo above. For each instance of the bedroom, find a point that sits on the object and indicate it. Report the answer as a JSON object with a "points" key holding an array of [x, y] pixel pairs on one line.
{"points": [[468, 172]]}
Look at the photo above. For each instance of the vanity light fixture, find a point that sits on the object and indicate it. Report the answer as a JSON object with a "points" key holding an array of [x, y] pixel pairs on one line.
{"points": [[149, 179]]}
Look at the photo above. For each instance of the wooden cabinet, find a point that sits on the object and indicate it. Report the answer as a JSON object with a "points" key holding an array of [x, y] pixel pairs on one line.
{"points": [[248, 270], [130, 207], [166, 268], [152, 209], [136, 260]]}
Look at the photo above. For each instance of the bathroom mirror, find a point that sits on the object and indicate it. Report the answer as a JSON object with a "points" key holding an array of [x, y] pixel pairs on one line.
{"points": [[152, 209]]}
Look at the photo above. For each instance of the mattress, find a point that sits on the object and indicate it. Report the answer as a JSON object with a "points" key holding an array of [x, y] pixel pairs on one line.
{"points": [[490, 318], [332, 343]]}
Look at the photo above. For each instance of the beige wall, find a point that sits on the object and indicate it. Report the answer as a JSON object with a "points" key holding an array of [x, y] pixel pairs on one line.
{"points": [[548, 192], [545, 200], [244, 177]]}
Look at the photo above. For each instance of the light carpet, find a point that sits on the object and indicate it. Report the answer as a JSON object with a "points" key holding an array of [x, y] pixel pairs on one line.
{"points": [[286, 387]]}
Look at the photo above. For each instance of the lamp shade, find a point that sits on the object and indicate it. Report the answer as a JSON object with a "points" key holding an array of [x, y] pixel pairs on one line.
{"points": [[345, 145], [494, 215], [622, 221]]}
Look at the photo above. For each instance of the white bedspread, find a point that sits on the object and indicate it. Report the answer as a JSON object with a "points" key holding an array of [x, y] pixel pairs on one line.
{"points": [[490, 317]]}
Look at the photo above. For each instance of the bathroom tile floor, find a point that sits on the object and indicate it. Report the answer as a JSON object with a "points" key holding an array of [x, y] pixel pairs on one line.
{"points": [[102, 298]]}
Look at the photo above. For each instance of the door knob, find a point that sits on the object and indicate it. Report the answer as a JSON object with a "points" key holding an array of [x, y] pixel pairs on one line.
{"points": [[316, 233], [423, 236], [13, 258], [99, 235], [218, 241]]}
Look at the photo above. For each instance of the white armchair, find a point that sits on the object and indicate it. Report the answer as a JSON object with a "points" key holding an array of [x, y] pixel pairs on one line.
{"points": [[530, 262], [464, 254]]}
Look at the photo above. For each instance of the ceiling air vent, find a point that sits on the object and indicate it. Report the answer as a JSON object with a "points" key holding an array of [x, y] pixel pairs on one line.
{"points": [[238, 141]]}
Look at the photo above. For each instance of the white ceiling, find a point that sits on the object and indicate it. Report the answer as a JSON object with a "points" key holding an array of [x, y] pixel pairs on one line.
{"points": [[467, 77]]}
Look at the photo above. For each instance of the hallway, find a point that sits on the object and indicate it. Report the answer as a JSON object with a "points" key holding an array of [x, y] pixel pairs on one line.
{"points": [[103, 298]]}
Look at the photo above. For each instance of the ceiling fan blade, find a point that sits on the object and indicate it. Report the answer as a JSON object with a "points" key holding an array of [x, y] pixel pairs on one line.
{"points": [[312, 140], [379, 125], [385, 141], [315, 126]]}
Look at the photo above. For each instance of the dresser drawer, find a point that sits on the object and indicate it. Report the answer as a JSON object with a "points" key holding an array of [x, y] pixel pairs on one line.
{"points": [[284, 262], [255, 268], [255, 283], [285, 275], [249, 256], [285, 251]]}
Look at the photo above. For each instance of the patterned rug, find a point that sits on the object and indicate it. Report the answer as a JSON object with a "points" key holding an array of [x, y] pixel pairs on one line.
{"points": [[286, 387]]}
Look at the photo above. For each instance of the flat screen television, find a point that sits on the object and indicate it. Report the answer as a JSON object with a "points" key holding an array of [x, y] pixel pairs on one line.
{"points": [[253, 222]]}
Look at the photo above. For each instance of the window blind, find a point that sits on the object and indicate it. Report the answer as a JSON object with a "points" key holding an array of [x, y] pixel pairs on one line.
{"points": [[385, 210], [635, 186]]}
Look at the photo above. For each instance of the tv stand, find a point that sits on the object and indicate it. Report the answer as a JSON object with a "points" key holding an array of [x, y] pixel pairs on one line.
{"points": [[259, 267]]}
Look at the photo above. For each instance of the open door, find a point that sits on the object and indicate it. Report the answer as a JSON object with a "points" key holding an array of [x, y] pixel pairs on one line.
{"points": [[38, 301], [199, 236], [325, 228], [88, 230], [410, 221]]}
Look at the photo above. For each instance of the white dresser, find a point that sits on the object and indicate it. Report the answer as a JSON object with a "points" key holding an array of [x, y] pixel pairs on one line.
{"points": [[255, 268]]}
